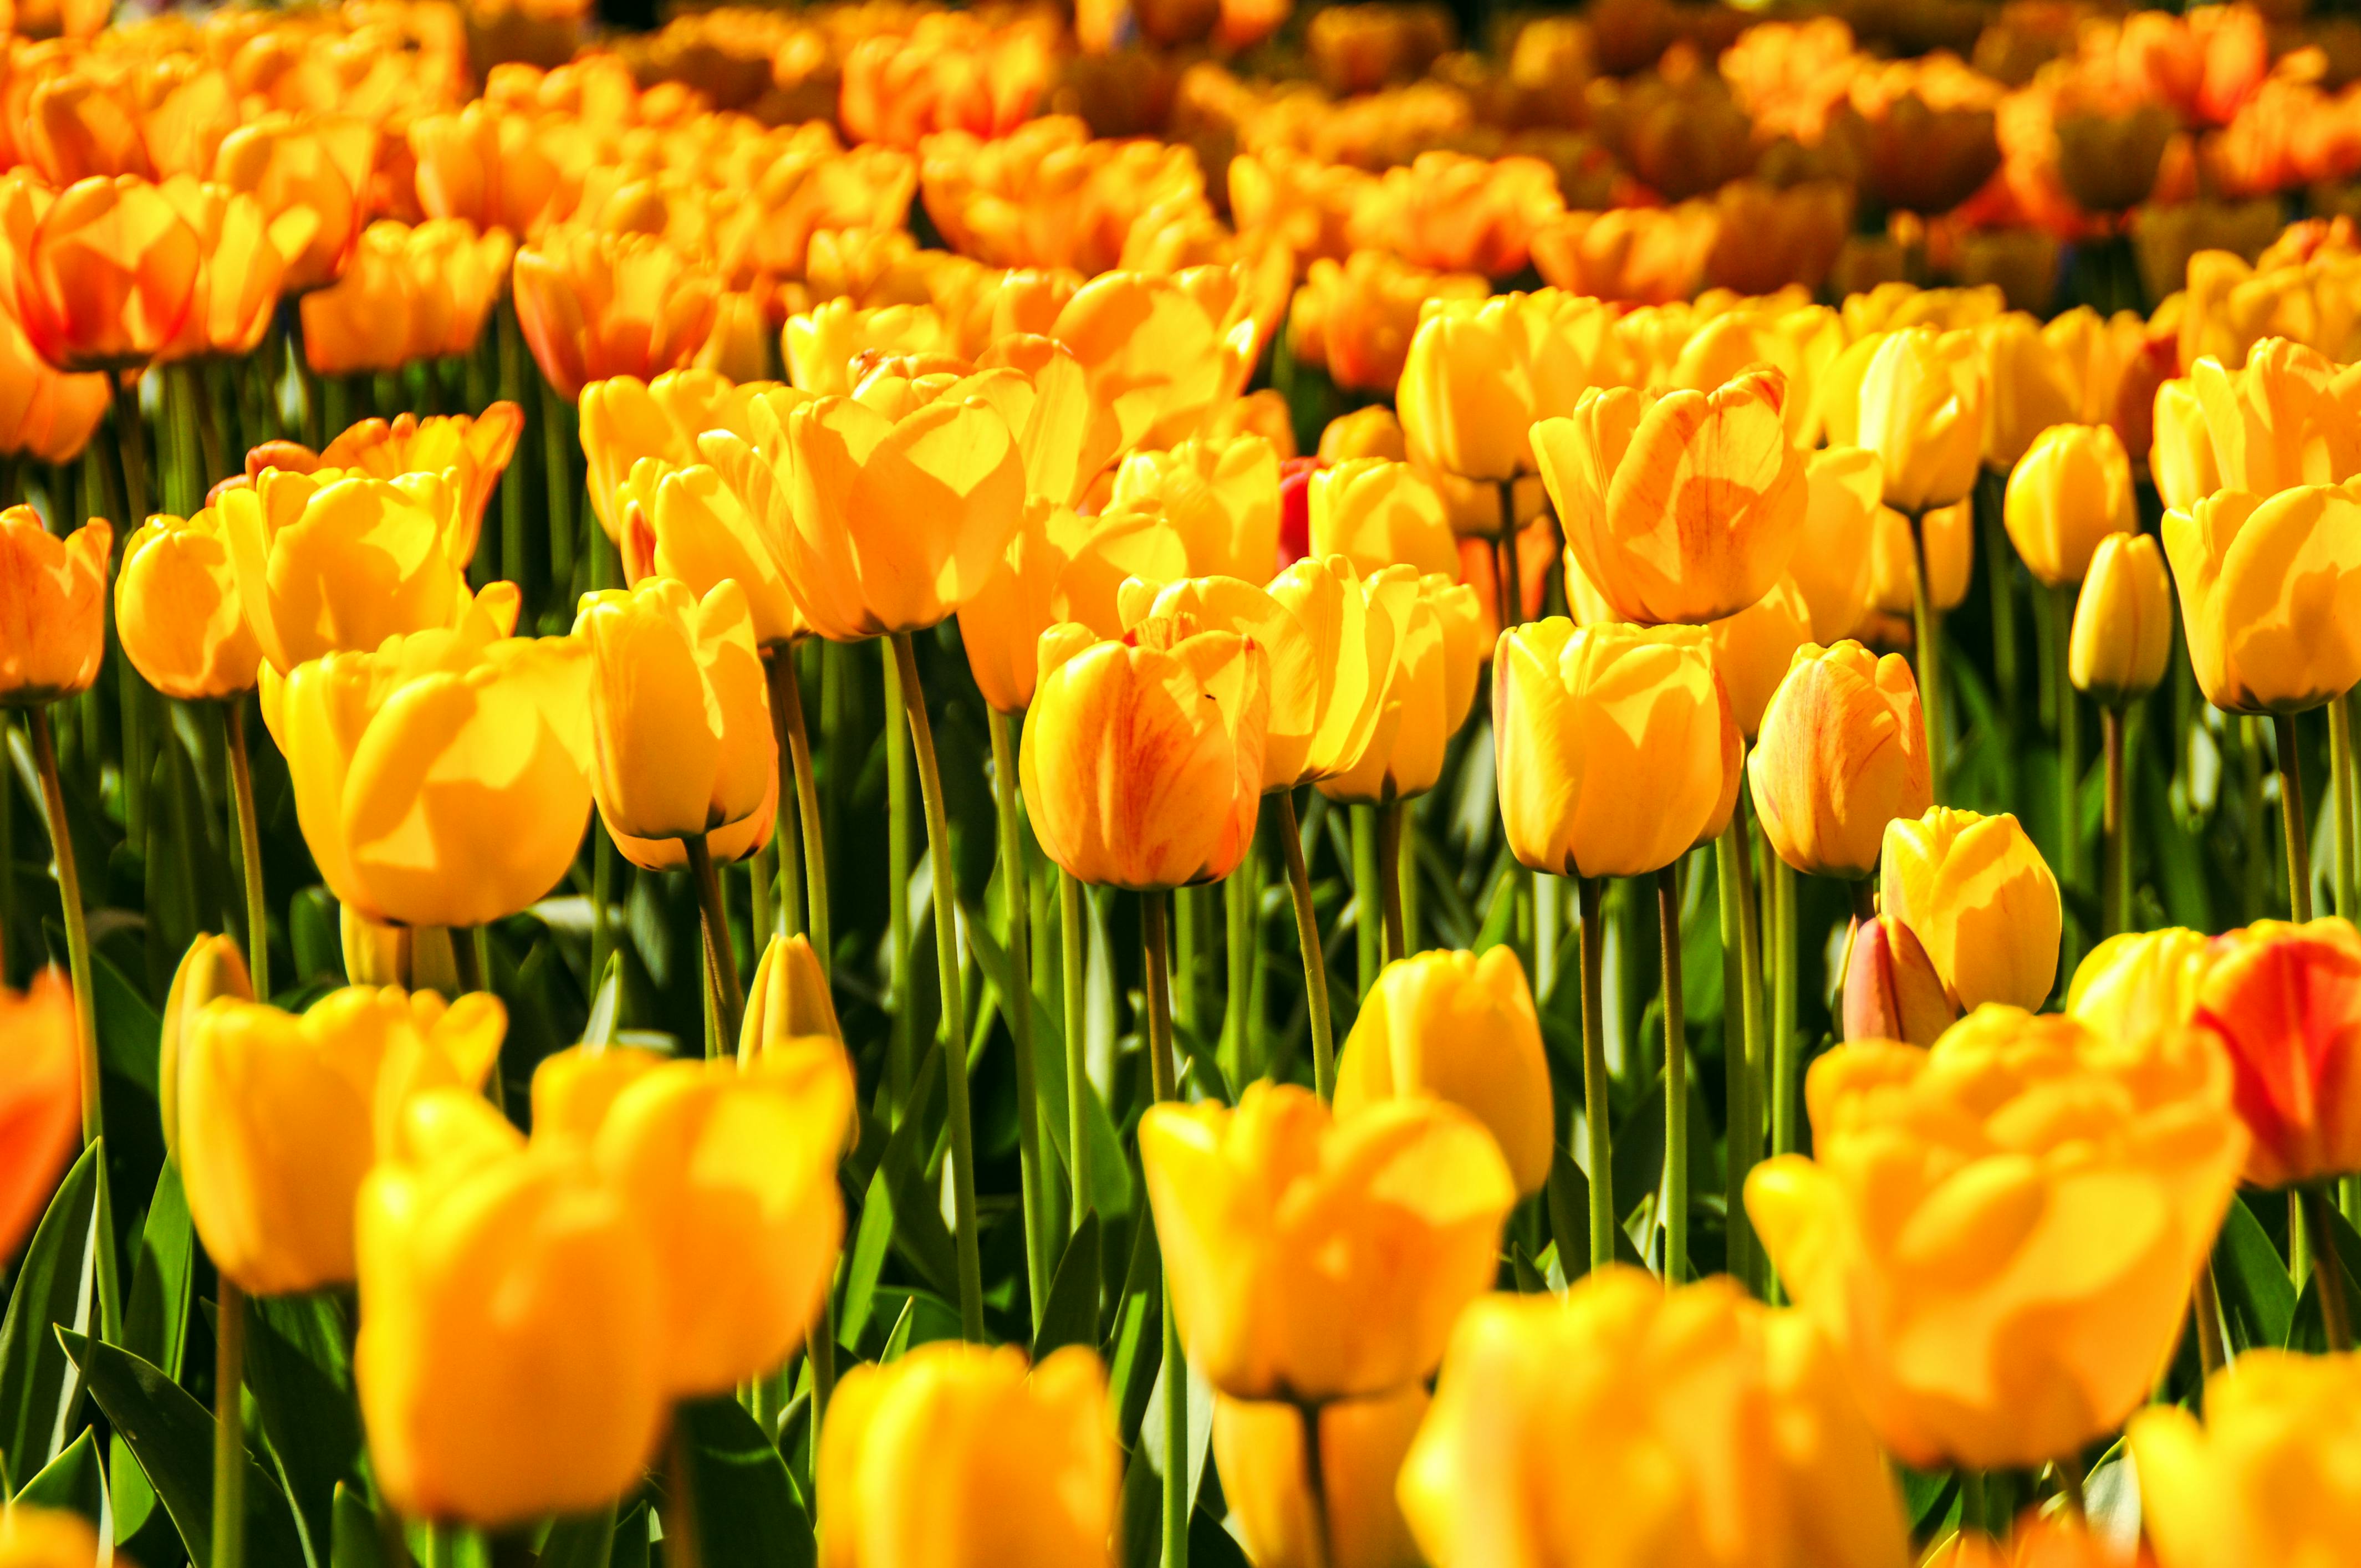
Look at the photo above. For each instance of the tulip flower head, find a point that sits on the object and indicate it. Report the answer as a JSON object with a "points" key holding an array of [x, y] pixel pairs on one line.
{"points": [[52, 607], [788, 1002], [593, 305], [178, 612], [1980, 900], [2270, 595], [1753, 649], [1377, 512], [1922, 397], [2122, 637], [625, 420], [212, 966], [472, 451], [2284, 1002], [2138, 982], [2181, 455], [1161, 352], [1832, 565], [1438, 653], [41, 1099], [1891, 991], [2264, 1477], [2279, 424], [1060, 566], [2072, 490], [1219, 494], [104, 275], [1842, 752], [1481, 372], [1352, 1518]]}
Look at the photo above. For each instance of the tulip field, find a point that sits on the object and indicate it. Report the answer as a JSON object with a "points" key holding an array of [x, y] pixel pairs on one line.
{"points": [[881, 785]]}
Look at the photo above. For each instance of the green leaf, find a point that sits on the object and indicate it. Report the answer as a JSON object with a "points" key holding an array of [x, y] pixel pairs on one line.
{"points": [[354, 1539], [1211, 1546], [867, 1261], [71, 1481], [156, 1319], [743, 1502], [2257, 1297], [580, 1541], [39, 1389], [314, 934], [1928, 1498], [297, 1369], [915, 1204], [1070, 1316], [172, 1437], [130, 1032]]}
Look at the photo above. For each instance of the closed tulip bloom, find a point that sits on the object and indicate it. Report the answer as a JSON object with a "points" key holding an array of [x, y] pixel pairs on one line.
{"points": [[955, 1456], [1699, 1428], [365, 319], [788, 1000], [279, 1116], [1060, 566], [1998, 1235], [1891, 989], [1351, 1519], [178, 612], [2278, 423], [472, 450], [1357, 316], [625, 420], [2136, 983], [319, 164], [1221, 494], [593, 304], [444, 779], [1451, 1026], [1922, 413], [2266, 1476], [2030, 385], [1618, 749], [1478, 374], [1832, 561], [460, 276], [1950, 539], [2072, 489], [2270, 596], [1439, 627], [2180, 455], [1753, 649], [689, 525], [212, 966], [1681, 508], [40, 1099], [52, 607], [1142, 759], [1842, 752], [2123, 621], [2284, 1001], [1378, 513], [105, 275], [510, 1330], [680, 715], [1975, 891], [2039, 1540], [1314, 1257]]}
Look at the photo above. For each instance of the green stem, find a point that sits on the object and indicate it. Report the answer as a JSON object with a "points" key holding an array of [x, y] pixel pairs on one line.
{"points": [[1549, 923], [1676, 1081], [1783, 1008], [2115, 888], [1238, 952], [53, 799], [2000, 587], [1926, 650], [249, 847], [1019, 1003], [229, 1433], [557, 448], [2340, 762], [1164, 1076], [1973, 1514], [2335, 1310], [899, 1047], [729, 996], [1073, 983], [512, 496], [1315, 961], [1315, 1480], [1741, 1014], [946, 960], [2212, 1353], [1390, 879], [2299, 857], [1505, 586], [821, 1348], [603, 896], [1369, 933], [795, 743], [2070, 762], [1594, 1074], [762, 873]]}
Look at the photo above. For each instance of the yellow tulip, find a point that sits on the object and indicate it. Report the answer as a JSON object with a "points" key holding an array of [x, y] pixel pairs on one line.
{"points": [[1832, 563], [1480, 372], [319, 165], [1069, 437], [1161, 352], [443, 780], [687, 524], [1682, 508], [821, 348], [593, 305], [1451, 1026], [2072, 489], [52, 607], [510, 1331], [2138, 982], [1372, 432], [1948, 536], [212, 966], [1753, 649], [625, 419], [574, 1089], [471, 451], [1802, 343], [680, 713], [1142, 759], [2123, 621], [1315, 1258], [1998, 1235], [1976, 893], [2181, 453], [788, 1000], [2030, 385], [2266, 1476], [1618, 747], [1221, 494], [178, 613], [955, 1457], [1377, 513], [1060, 566], [35, 1537], [2279, 424], [1439, 625], [1842, 752], [1922, 397], [2270, 596], [278, 1114], [1260, 1448], [1626, 1424]]}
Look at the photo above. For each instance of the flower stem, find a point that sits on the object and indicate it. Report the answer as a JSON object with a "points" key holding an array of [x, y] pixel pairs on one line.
{"points": [[1676, 1081], [1316, 960], [229, 1435], [1019, 1003], [511, 351], [1164, 1076], [1926, 650], [249, 847], [899, 1047], [1782, 1006], [2212, 1355], [2115, 868], [53, 799], [2335, 1310], [1549, 924], [795, 743], [2299, 856], [1972, 1513], [1594, 1075], [1315, 1479], [1239, 953], [1742, 1003], [603, 896], [2340, 763], [730, 997], [1074, 983], [946, 961], [2069, 762], [1389, 878], [1368, 935]]}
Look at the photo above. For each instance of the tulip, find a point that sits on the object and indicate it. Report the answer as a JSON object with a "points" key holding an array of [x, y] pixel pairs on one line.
{"points": [[2181, 457], [473, 451], [104, 275], [40, 1103], [1976, 893], [2270, 596], [823, 346], [1221, 495], [1372, 432], [2284, 1002], [787, 1003], [2038, 1540], [32, 1536], [1357, 317], [1438, 653], [1059, 566], [2265, 1477], [315, 164], [44, 414], [2278, 424], [955, 1457], [1377, 513], [1998, 1235], [278, 1114], [687, 525], [1753, 649], [625, 419], [363, 321], [212, 966], [2029, 384], [1451, 1026], [2123, 622], [244, 266], [178, 613], [493, 166], [1350, 1520], [1685, 508], [1479, 374], [52, 607], [1314, 1258], [1947, 536], [1843, 753], [592, 305], [1891, 991], [444, 779], [1695, 1426], [680, 715], [2072, 489], [459, 275], [1618, 749], [1142, 760], [511, 1338], [1833, 556], [1922, 413], [1460, 214], [1161, 355]]}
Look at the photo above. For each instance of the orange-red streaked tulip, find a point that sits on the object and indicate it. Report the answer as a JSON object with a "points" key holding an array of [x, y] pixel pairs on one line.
{"points": [[2284, 1001], [105, 275], [595, 304], [1891, 989], [1842, 752], [40, 1099]]}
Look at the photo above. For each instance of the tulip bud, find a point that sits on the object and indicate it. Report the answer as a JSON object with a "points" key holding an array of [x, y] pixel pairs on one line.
{"points": [[787, 1000], [2070, 490], [2123, 622], [1306, 1260], [1451, 1026], [1922, 413], [2270, 596], [2258, 1481], [593, 304], [52, 607], [1478, 374], [1922, 1235], [40, 1102], [212, 966], [1618, 749], [1709, 1427], [178, 612], [1372, 432], [1438, 653], [1259, 1448], [822, 345], [1377, 512], [1976, 893], [1891, 989], [2136, 983], [2029, 387], [955, 1457], [2284, 1003], [625, 419], [1753, 649], [2181, 453], [510, 1337], [1843, 753], [1947, 534]]}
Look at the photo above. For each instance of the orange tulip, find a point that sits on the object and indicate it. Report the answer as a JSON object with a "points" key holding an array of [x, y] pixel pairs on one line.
{"points": [[472, 450], [1891, 989], [104, 275], [1843, 753], [593, 305], [1753, 649], [1458, 214], [1059, 566], [498, 168], [44, 414], [1357, 317], [244, 263], [2285, 1002], [52, 607], [40, 1100], [319, 164]]}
